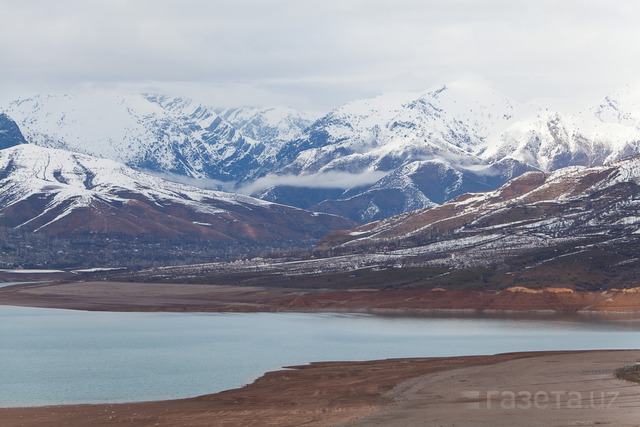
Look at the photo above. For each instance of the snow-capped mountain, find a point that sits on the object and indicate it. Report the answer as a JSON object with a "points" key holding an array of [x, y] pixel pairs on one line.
{"points": [[274, 126], [428, 144], [157, 133], [59, 192], [452, 122], [366, 160], [548, 140], [458, 138]]}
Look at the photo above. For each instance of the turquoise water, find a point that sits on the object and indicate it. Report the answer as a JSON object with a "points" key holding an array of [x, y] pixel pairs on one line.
{"points": [[63, 356], [2, 285]]}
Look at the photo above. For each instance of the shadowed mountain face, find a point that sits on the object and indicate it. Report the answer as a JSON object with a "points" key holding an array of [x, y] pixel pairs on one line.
{"points": [[10, 134], [59, 193]]}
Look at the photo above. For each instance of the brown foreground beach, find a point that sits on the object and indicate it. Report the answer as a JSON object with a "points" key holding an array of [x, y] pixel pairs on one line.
{"points": [[523, 389]]}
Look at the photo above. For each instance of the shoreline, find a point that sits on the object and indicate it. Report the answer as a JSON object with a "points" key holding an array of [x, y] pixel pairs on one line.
{"points": [[453, 390], [370, 393], [149, 297]]}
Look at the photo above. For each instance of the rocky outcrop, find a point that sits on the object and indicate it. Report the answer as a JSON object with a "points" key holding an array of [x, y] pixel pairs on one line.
{"points": [[10, 134]]}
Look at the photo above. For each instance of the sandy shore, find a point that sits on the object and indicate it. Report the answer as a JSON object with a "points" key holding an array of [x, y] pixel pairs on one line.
{"points": [[548, 390], [524, 389], [116, 296]]}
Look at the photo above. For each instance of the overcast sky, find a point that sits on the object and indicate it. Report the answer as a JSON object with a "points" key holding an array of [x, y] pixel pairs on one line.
{"points": [[317, 54]]}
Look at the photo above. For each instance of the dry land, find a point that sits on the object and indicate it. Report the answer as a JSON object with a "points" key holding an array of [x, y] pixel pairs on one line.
{"points": [[130, 296]]}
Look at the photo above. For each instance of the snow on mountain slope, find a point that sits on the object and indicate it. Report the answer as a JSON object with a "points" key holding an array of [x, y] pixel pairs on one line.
{"points": [[602, 133], [56, 191], [413, 138], [548, 141], [146, 131], [272, 125], [417, 185], [395, 151], [467, 125], [573, 201], [451, 122], [575, 228], [474, 131]]}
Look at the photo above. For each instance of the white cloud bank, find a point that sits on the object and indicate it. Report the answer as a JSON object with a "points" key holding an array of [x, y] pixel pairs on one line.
{"points": [[341, 180], [320, 53]]}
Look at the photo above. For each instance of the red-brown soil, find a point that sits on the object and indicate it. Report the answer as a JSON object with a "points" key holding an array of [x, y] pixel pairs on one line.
{"points": [[458, 391], [316, 394], [114, 296], [516, 299]]}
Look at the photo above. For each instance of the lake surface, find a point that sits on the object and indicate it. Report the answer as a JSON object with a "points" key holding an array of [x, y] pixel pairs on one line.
{"points": [[2, 285], [63, 356]]}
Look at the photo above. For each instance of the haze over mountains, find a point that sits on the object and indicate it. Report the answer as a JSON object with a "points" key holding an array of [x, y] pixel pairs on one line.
{"points": [[366, 160]]}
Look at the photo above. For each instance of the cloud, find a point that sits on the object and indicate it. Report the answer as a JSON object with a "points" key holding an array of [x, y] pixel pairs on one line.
{"points": [[320, 53], [483, 170], [343, 180], [206, 183]]}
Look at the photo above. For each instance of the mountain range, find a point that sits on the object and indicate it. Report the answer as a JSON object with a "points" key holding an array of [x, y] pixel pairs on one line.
{"points": [[366, 160], [458, 138], [172, 136]]}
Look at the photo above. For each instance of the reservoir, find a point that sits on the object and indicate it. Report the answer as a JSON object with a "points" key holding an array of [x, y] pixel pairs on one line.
{"points": [[52, 356]]}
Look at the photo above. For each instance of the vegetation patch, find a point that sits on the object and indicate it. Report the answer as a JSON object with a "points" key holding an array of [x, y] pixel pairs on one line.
{"points": [[629, 373]]}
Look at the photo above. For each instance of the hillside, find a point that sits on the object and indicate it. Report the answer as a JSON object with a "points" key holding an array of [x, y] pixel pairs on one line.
{"points": [[577, 227], [58, 192]]}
